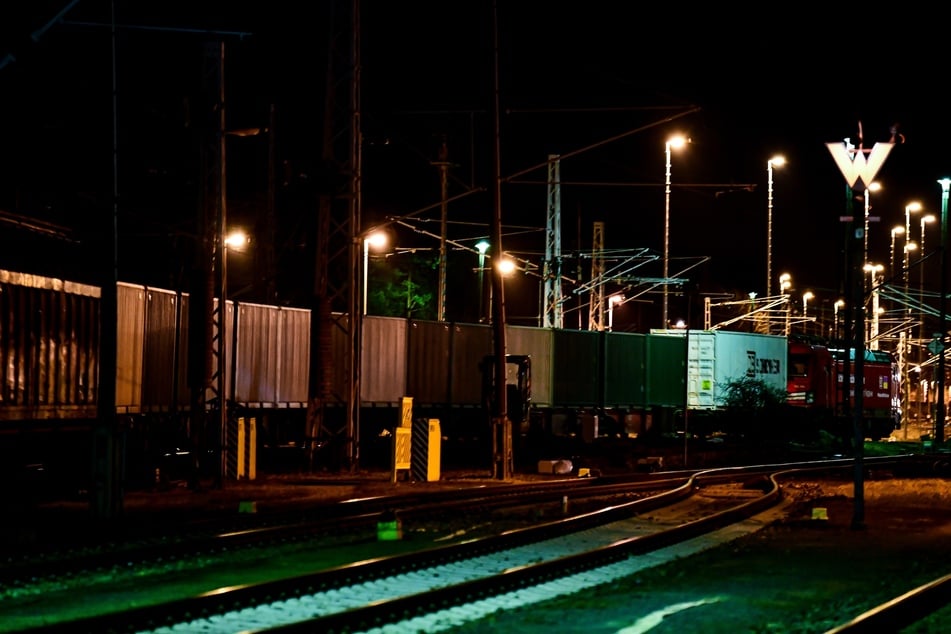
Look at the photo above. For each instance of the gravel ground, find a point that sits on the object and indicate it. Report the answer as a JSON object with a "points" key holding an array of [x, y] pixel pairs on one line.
{"points": [[798, 575]]}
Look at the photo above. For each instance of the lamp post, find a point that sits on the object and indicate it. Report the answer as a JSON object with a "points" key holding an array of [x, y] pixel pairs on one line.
{"points": [[481, 246], [928, 218], [874, 271], [376, 239], [612, 300], [904, 345], [874, 186], [910, 207], [839, 304], [896, 231], [785, 283], [943, 228], [675, 142], [776, 161], [805, 303]]}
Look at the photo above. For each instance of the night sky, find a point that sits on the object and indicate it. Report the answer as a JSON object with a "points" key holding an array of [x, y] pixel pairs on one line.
{"points": [[742, 84]]}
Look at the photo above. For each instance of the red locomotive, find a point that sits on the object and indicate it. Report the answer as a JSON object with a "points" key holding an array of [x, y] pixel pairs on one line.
{"points": [[816, 383]]}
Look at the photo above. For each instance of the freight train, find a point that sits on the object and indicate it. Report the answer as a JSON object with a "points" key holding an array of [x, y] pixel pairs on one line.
{"points": [[560, 383], [50, 343]]}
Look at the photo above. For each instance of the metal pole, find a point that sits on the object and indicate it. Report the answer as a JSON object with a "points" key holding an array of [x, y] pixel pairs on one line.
{"points": [[865, 235], [666, 232], [940, 412], [366, 262], [903, 347], [482, 246], [502, 459], [921, 314], [769, 227], [858, 345], [222, 262]]}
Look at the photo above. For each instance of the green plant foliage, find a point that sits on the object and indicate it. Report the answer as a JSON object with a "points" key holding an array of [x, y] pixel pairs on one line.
{"points": [[402, 286], [754, 410]]}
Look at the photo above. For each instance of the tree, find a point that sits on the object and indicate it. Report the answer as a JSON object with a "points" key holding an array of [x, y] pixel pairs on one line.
{"points": [[402, 286]]}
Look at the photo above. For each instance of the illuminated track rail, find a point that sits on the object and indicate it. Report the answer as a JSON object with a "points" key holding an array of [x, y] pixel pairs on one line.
{"points": [[377, 590]]}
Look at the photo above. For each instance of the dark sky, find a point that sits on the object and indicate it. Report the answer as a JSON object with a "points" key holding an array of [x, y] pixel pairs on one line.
{"points": [[594, 82]]}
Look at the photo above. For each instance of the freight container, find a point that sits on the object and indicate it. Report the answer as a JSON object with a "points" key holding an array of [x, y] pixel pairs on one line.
{"points": [[49, 342], [576, 368], [534, 343], [625, 370], [718, 358], [273, 359], [165, 351]]}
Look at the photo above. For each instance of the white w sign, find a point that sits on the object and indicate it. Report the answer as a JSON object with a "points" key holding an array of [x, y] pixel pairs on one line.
{"points": [[853, 164]]}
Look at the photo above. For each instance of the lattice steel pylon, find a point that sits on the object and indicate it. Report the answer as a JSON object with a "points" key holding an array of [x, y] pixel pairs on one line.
{"points": [[552, 310], [337, 305], [596, 306]]}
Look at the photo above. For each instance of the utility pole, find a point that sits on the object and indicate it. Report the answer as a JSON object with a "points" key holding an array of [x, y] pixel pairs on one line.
{"points": [[596, 304], [864, 170], [443, 165], [942, 320], [552, 310], [502, 460], [337, 305]]}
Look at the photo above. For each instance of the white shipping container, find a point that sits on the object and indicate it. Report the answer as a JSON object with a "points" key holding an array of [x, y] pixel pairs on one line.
{"points": [[717, 358]]}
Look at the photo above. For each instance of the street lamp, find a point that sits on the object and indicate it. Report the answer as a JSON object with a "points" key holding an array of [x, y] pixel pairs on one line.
{"points": [[896, 231], [481, 246], [874, 186], [785, 283], [839, 305], [237, 240], [376, 239], [910, 207], [777, 161], [921, 302], [874, 270], [942, 301], [675, 142], [612, 300], [903, 337], [805, 302]]}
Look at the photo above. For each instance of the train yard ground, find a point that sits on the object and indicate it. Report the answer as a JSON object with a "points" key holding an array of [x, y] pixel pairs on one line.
{"points": [[806, 570]]}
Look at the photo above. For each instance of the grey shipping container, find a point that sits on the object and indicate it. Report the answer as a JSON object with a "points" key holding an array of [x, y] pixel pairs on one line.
{"points": [[625, 364]]}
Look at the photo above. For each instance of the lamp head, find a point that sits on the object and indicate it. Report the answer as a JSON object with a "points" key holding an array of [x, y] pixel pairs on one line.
{"points": [[677, 141]]}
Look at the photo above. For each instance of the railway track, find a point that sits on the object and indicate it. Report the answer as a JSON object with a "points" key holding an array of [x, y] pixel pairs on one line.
{"points": [[494, 564], [585, 548]]}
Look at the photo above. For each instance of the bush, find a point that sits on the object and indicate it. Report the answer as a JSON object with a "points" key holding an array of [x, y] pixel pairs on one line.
{"points": [[754, 410]]}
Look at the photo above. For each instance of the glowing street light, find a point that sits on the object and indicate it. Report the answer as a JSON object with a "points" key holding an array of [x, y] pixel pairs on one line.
{"points": [[874, 186], [903, 338], [376, 239], [896, 231], [874, 271], [776, 161], [237, 240], [925, 219], [675, 142], [785, 283], [909, 208], [481, 246], [805, 302], [839, 305], [942, 319], [612, 300]]}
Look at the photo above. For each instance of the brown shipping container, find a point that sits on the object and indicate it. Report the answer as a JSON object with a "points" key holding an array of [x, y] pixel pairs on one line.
{"points": [[49, 339]]}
